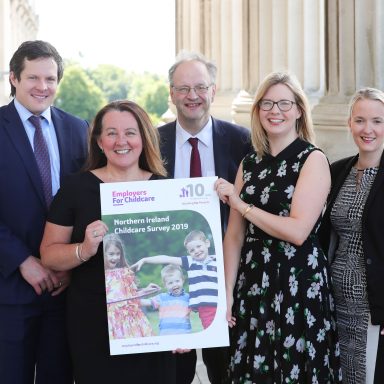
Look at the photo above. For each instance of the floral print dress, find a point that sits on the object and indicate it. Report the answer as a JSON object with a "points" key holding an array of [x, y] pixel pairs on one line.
{"points": [[285, 330], [125, 317]]}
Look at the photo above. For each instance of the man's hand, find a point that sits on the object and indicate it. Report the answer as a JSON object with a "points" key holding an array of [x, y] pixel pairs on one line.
{"points": [[39, 277], [64, 278]]}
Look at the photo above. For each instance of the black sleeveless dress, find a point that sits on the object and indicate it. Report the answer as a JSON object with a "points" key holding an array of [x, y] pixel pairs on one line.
{"points": [[285, 331]]}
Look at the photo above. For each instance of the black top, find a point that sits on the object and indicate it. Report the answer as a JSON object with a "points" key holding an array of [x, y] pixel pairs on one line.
{"points": [[372, 233], [77, 204]]}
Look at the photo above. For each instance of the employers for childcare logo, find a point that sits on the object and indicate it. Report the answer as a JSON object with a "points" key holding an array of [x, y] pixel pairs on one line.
{"points": [[120, 198]]}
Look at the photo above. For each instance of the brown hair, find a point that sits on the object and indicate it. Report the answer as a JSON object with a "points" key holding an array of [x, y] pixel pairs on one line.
{"points": [[32, 50], [194, 235], [112, 239], [150, 158]]}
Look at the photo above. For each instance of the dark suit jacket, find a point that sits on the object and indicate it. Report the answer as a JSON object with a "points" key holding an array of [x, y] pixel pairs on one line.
{"points": [[22, 208], [372, 232], [230, 144]]}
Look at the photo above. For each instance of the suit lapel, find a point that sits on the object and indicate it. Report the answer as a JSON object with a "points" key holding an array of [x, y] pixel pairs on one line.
{"points": [[16, 132], [64, 135], [221, 149], [168, 148], [376, 186]]}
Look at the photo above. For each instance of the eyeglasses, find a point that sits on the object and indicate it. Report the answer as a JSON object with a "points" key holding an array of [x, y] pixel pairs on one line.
{"points": [[199, 89], [283, 105]]}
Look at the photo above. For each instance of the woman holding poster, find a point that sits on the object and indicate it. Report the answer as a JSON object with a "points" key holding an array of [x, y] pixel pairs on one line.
{"points": [[279, 298], [123, 147]]}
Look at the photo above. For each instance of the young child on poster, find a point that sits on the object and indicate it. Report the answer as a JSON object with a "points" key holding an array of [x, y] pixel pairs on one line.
{"points": [[173, 305], [125, 317], [202, 274]]}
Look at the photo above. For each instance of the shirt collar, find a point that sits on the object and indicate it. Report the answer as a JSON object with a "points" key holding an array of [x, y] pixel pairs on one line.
{"points": [[181, 293], [25, 114], [206, 261], [204, 136]]}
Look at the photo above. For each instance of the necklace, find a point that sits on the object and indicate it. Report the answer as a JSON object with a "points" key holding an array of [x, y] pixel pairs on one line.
{"points": [[360, 174]]}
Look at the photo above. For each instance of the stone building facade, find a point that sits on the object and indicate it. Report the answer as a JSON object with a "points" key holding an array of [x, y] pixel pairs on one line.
{"points": [[18, 22], [333, 46]]}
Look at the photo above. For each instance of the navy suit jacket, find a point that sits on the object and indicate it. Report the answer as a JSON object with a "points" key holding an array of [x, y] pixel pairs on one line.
{"points": [[22, 208], [230, 144]]}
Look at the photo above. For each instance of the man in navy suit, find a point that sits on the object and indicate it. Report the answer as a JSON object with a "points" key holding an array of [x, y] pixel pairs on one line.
{"points": [[33, 346], [221, 145]]}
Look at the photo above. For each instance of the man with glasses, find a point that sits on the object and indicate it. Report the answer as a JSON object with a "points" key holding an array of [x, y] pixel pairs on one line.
{"points": [[221, 146]]}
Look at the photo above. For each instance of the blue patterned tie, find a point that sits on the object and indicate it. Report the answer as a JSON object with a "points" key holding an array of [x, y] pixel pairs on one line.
{"points": [[42, 158]]}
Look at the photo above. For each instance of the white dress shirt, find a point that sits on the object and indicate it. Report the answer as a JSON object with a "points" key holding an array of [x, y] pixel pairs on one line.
{"points": [[184, 148], [49, 133]]}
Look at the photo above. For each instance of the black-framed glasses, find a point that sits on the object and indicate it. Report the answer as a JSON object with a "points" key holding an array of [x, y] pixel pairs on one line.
{"points": [[199, 89], [283, 105]]}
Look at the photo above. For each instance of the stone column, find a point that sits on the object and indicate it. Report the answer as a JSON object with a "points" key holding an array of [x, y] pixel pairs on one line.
{"points": [[282, 35], [355, 58], [215, 28], [18, 22], [4, 50], [230, 52]]}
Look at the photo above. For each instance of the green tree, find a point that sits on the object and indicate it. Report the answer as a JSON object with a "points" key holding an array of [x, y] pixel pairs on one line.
{"points": [[78, 94], [151, 92], [112, 80], [155, 98]]}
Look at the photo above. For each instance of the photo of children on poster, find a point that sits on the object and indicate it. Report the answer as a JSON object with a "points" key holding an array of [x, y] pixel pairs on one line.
{"points": [[163, 259]]}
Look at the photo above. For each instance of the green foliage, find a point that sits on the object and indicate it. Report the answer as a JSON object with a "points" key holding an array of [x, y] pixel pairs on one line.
{"points": [[151, 92], [78, 94], [112, 80], [148, 242], [84, 91]]}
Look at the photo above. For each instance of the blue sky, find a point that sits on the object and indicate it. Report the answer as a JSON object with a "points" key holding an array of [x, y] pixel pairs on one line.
{"points": [[137, 35]]}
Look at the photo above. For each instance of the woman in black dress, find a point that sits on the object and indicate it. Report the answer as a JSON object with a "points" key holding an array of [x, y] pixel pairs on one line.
{"points": [[123, 147], [278, 294]]}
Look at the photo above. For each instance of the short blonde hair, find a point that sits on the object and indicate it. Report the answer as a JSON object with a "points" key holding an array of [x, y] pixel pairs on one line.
{"points": [[366, 93], [169, 270], [304, 125]]}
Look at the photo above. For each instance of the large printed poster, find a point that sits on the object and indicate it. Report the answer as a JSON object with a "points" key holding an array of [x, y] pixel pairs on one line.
{"points": [[163, 259]]}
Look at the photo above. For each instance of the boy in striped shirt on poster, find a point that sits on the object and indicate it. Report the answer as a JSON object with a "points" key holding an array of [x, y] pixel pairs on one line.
{"points": [[201, 268], [173, 305]]}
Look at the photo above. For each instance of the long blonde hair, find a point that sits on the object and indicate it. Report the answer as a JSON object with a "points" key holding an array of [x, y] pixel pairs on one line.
{"points": [[304, 125]]}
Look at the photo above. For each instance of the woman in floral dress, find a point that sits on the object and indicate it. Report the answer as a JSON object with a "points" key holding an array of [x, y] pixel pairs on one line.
{"points": [[125, 317], [279, 299]]}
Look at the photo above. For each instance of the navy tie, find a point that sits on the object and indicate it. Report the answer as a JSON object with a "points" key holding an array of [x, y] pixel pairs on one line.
{"points": [[195, 166], [42, 158]]}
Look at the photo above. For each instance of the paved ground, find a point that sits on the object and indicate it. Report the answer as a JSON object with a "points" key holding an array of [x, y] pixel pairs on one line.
{"points": [[201, 372]]}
